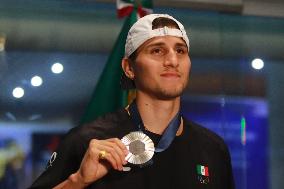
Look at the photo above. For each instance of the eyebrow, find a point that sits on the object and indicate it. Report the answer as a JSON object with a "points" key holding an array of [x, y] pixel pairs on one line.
{"points": [[162, 43], [181, 45]]}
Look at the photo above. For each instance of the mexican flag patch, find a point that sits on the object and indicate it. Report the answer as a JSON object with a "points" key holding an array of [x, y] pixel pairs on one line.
{"points": [[202, 170]]}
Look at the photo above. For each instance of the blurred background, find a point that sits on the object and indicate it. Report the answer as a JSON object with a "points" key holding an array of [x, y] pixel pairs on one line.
{"points": [[52, 53]]}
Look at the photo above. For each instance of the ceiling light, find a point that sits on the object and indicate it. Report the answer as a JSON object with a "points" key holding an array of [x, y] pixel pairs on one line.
{"points": [[257, 64], [18, 92], [57, 68], [36, 81]]}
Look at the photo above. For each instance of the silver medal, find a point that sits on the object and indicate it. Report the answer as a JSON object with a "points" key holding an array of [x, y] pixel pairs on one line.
{"points": [[140, 146]]}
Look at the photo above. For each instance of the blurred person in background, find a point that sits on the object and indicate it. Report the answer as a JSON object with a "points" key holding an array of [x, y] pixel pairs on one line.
{"points": [[11, 161]]}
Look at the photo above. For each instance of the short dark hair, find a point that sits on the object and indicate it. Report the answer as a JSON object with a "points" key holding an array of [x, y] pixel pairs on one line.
{"points": [[161, 22]]}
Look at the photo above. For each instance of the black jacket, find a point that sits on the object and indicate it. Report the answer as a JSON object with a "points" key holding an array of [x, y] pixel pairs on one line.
{"points": [[176, 167]]}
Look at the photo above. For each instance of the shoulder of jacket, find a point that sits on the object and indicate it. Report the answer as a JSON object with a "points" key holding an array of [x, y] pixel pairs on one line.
{"points": [[103, 125], [205, 135]]}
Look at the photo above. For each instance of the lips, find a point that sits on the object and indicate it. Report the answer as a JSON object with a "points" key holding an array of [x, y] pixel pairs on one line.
{"points": [[170, 75]]}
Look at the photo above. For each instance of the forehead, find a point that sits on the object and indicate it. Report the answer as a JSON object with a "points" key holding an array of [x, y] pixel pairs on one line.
{"points": [[163, 40]]}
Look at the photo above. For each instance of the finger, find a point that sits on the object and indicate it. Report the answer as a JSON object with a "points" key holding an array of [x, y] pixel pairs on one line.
{"points": [[96, 147], [118, 149], [112, 146], [112, 155], [120, 144]]}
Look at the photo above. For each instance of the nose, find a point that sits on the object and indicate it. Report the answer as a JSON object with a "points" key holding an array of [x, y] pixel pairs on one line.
{"points": [[171, 59]]}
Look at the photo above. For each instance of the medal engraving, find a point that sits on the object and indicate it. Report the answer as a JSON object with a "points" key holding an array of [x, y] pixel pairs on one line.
{"points": [[141, 147], [136, 147]]}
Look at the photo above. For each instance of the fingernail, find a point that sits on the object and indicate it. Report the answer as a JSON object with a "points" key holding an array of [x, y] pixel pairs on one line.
{"points": [[126, 169]]}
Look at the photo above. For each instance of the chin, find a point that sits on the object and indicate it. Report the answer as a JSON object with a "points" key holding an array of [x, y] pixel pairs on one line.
{"points": [[168, 94], [167, 91]]}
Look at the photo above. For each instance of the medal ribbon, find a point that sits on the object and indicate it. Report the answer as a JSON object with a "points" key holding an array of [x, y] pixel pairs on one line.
{"points": [[168, 135]]}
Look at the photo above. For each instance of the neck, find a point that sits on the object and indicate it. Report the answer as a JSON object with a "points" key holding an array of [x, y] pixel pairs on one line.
{"points": [[156, 114]]}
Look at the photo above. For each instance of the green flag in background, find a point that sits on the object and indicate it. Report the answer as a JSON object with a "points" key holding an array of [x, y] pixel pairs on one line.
{"points": [[108, 95]]}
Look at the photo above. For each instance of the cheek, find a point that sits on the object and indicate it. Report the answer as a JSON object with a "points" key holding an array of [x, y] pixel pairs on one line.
{"points": [[189, 67], [145, 69], [186, 67]]}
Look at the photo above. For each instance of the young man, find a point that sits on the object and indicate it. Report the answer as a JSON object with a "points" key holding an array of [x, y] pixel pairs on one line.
{"points": [[166, 151]]}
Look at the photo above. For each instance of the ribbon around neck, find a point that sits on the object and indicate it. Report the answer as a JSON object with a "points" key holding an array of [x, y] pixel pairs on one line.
{"points": [[168, 135]]}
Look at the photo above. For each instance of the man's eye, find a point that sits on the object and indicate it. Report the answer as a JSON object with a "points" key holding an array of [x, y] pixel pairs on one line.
{"points": [[156, 51], [180, 51]]}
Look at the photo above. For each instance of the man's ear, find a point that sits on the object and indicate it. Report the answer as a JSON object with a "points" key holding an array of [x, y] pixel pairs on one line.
{"points": [[127, 68]]}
